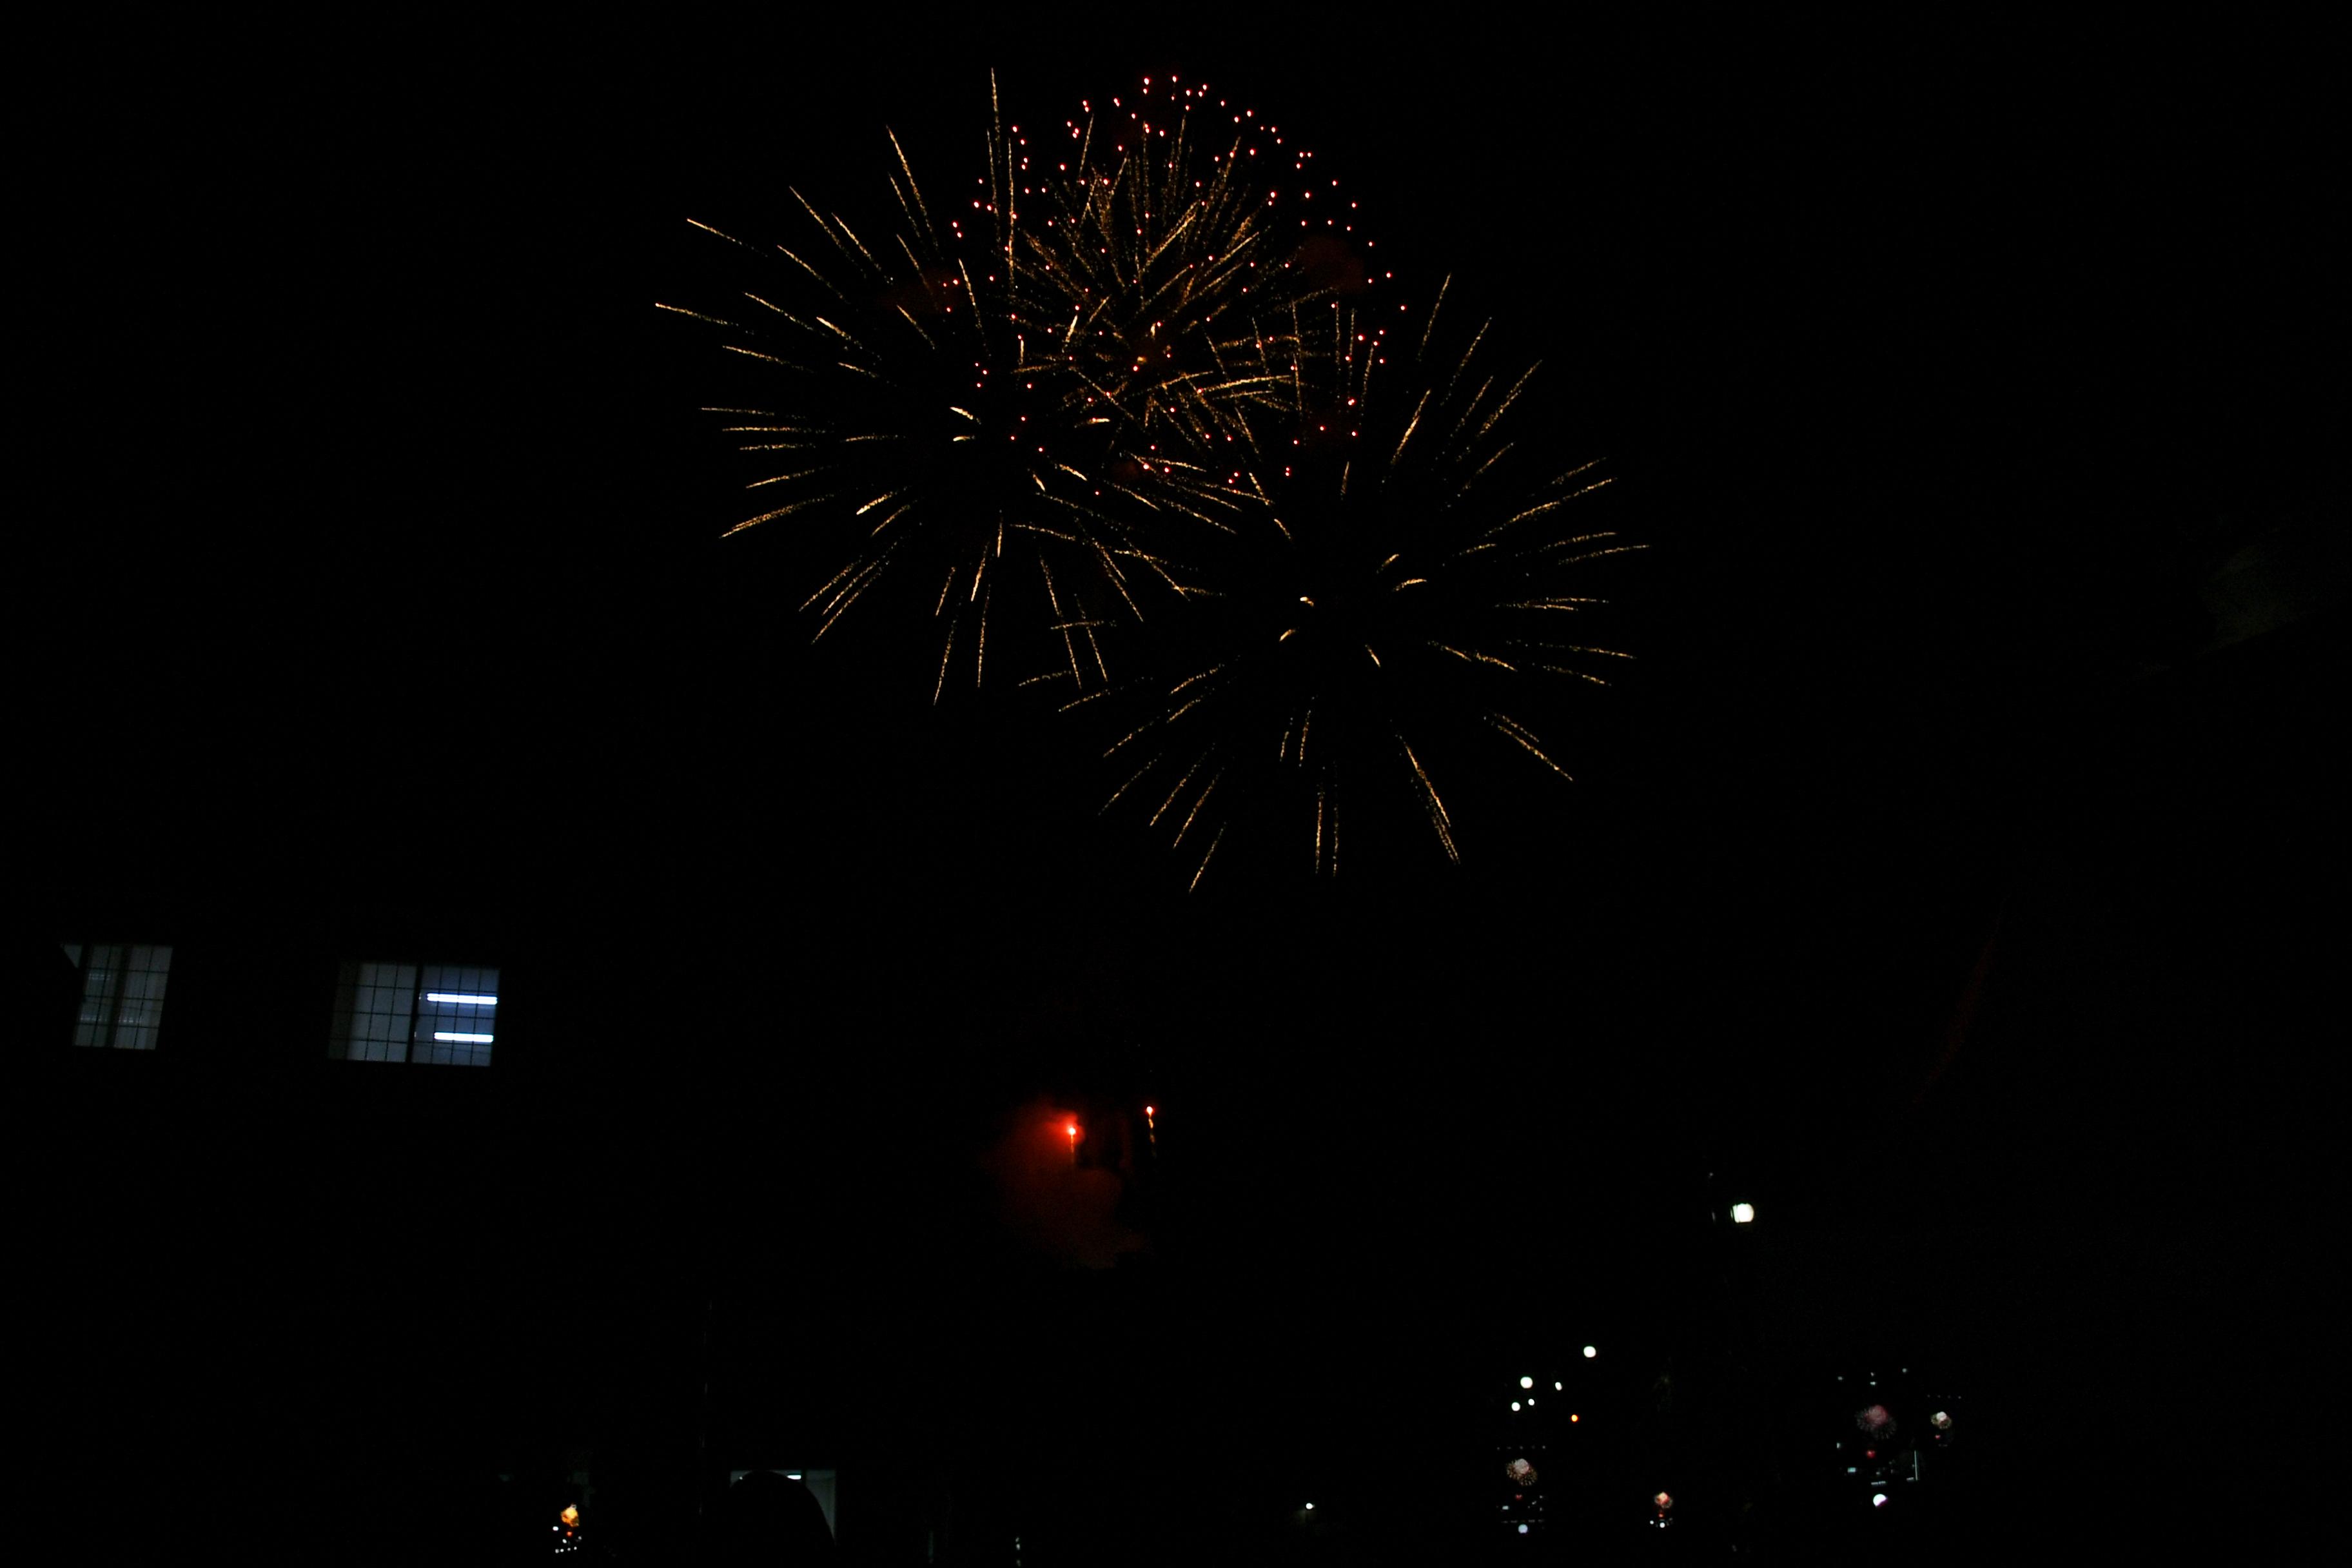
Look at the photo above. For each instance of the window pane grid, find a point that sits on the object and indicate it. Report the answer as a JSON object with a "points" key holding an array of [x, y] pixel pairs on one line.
{"points": [[433, 1012], [122, 995]]}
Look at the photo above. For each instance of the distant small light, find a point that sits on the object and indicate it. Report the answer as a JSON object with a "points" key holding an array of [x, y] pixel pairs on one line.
{"points": [[1589, 1352], [1878, 1499], [791, 1475], [469, 1039], [1514, 1405], [1941, 1421], [1743, 1214], [1527, 1382], [461, 998], [1310, 1508], [1558, 1385], [1573, 1416], [1523, 1530]]}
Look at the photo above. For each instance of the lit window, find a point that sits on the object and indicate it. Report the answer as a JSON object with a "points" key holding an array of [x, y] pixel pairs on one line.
{"points": [[435, 1013], [122, 995]]}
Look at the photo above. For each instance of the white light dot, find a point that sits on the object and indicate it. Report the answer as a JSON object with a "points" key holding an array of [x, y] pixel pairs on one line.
{"points": [[1589, 1352], [1743, 1214], [1527, 1382], [1878, 1499]]}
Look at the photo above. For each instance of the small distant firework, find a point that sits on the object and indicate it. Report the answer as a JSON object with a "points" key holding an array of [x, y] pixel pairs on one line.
{"points": [[1394, 591]]}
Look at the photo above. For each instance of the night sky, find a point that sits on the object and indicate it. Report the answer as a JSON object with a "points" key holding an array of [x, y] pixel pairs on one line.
{"points": [[1972, 388]]}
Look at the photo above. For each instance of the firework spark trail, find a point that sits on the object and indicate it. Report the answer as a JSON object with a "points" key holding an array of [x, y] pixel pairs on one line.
{"points": [[1201, 869], [1519, 735], [1437, 817]]}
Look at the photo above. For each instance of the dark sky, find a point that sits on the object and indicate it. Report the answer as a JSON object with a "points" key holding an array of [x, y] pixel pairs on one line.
{"points": [[1935, 364], [1943, 367]]}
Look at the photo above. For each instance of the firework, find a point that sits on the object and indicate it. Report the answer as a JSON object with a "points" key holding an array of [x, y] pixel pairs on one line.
{"points": [[1173, 238], [1001, 413], [1404, 587], [907, 421]]}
